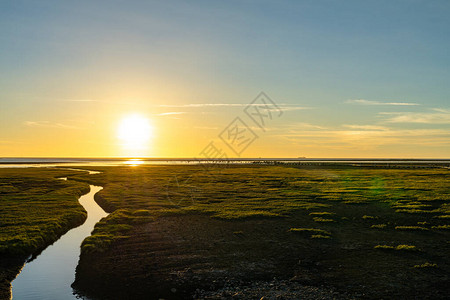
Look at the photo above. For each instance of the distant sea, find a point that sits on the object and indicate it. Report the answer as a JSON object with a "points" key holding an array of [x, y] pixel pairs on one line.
{"points": [[8, 162]]}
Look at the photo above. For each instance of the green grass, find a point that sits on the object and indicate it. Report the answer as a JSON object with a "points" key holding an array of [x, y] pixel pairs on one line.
{"points": [[406, 248], [384, 247], [113, 228], [234, 192], [322, 220], [379, 226], [322, 213], [441, 227], [313, 233], [398, 247], [426, 265], [365, 217], [415, 228], [329, 209], [414, 211], [36, 208], [261, 192], [320, 236], [443, 217]]}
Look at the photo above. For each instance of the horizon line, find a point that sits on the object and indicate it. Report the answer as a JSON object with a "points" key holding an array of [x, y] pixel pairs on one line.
{"points": [[216, 159]]}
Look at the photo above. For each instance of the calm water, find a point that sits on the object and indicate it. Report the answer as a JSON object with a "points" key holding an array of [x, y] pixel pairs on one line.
{"points": [[14, 162], [51, 274], [11, 162]]}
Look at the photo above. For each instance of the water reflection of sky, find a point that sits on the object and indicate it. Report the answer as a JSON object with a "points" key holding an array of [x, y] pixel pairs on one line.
{"points": [[50, 275], [100, 162], [134, 162], [67, 163]]}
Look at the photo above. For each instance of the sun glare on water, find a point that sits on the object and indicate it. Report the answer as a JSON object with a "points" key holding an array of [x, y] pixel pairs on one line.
{"points": [[135, 132]]}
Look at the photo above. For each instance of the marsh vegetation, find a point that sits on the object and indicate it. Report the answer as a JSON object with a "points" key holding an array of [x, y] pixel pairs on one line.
{"points": [[314, 226], [190, 231], [36, 208]]}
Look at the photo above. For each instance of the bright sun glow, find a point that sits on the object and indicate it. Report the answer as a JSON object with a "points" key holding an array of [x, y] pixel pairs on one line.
{"points": [[135, 132]]}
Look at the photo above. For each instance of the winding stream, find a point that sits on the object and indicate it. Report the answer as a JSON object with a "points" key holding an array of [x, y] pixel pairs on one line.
{"points": [[51, 274]]}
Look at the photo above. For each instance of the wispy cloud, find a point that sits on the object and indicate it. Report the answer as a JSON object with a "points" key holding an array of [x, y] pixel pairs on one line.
{"points": [[283, 107], [206, 128], [365, 127], [172, 113], [369, 138], [203, 105], [371, 102], [304, 125], [360, 137], [79, 100], [293, 107], [437, 116], [48, 124]]}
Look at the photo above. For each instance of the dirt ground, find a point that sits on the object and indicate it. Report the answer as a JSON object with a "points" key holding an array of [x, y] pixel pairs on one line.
{"points": [[195, 256]]}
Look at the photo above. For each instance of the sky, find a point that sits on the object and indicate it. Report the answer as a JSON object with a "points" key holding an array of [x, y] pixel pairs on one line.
{"points": [[341, 79]]}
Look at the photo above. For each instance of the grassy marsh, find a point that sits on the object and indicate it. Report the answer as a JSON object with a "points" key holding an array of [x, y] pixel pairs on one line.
{"points": [[329, 210], [323, 225], [36, 208]]}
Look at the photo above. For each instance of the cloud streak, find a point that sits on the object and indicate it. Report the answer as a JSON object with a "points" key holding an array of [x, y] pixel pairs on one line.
{"points": [[365, 127], [438, 116], [79, 100], [48, 124], [370, 138], [305, 125], [172, 113], [283, 107], [371, 102], [360, 136]]}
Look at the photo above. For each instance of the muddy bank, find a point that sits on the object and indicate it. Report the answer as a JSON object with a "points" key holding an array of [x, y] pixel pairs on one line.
{"points": [[193, 256], [175, 257], [9, 268]]}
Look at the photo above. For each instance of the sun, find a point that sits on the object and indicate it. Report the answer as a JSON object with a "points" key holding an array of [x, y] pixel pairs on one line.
{"points": [[135, 132]]}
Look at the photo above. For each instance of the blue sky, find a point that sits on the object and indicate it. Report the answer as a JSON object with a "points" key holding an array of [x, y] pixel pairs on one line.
{"points": [[356, 78]]}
